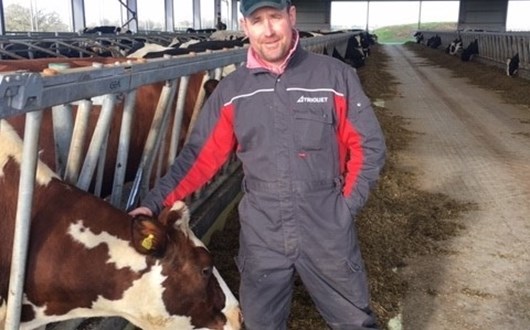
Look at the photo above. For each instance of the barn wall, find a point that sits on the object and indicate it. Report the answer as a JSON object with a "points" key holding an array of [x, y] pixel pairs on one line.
{"points": [[483, 15], [313, 14]]}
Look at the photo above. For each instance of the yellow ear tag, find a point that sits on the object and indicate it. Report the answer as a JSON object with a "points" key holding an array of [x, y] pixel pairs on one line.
{"points": [[147, 243]]}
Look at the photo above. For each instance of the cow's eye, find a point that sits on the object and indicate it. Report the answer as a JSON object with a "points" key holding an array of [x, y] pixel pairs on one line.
{"points": [[206, 271]]}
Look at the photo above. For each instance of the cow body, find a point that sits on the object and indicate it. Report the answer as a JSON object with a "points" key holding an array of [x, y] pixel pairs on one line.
{"points": [[454, 47], [469, 52], [89, 259], [512, 65], [434, 42]]}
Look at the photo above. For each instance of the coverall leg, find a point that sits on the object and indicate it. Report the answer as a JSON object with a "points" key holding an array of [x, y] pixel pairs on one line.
{"points": [[316, 236]]}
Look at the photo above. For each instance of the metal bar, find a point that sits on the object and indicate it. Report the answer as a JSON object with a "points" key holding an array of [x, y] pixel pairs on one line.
{"points": [[73, 163], [79, 49], [198, 106], [12, 55], [98, 136], [44, 50], [177, 120], [155, 133], [23, 220], [101, 165], [123, 148], [62, 135], [161, 143]]}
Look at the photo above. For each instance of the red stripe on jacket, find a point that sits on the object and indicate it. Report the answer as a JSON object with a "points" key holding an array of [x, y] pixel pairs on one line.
{"points": [[350, 146], [216, 150]]}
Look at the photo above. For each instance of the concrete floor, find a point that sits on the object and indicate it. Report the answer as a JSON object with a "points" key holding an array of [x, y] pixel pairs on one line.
{"points": [[476, 148]]}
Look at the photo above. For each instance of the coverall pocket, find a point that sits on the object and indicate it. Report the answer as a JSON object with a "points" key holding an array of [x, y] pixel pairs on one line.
{"points": [[356, 287], [313, 127], [347, 209]]}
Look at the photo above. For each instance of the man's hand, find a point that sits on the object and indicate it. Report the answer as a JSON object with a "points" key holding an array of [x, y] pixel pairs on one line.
{"points": [[142, 210]]}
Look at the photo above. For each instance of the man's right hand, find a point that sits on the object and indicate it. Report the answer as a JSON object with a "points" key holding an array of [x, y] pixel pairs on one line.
{"points": [[142, 210]]}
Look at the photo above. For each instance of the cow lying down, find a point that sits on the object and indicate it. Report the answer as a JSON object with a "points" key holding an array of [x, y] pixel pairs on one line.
{"points": [[89, 259]]}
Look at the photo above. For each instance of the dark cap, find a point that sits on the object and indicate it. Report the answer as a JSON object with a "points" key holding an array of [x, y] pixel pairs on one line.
{"points": [[247, 7]]}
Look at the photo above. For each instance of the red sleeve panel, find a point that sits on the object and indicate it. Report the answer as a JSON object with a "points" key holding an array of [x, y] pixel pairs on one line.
{"points": [[214, 153], [350, 146]]}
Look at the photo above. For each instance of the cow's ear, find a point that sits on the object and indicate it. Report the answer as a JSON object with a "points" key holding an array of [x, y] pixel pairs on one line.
{"points": [[177, 216], [149, 237]]}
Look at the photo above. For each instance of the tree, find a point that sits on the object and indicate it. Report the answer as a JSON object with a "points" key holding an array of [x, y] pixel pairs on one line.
{"points": [[19, 18]]}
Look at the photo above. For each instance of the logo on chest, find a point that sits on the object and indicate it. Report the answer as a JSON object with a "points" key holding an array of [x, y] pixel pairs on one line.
{"points": [[307, 99]]}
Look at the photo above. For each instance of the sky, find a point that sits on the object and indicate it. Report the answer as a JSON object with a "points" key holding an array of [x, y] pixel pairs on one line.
{"points": [[343, 13]]}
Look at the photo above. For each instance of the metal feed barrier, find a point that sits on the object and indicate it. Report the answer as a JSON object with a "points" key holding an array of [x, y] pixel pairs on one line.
{"points": [[30, 92]]}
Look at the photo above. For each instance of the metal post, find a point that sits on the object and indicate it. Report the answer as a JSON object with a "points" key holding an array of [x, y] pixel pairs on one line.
{"points": [[77, 145], [198, 105], [62, 134], [26, 187], [98, 138], [123, 148], [367, 14], [177, 120], [101, 165], [197, 24], [153, 138], [161, 142], [2, 19], [419, 16]]}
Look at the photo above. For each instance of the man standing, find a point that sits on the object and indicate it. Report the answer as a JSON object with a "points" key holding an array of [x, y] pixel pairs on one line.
{"points": [[311, 149]]}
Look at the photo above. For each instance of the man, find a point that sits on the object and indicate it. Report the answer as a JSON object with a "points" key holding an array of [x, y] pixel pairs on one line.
{"points": [[311, 149]]}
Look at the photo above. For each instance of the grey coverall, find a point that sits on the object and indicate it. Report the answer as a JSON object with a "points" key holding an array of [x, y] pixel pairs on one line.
{"points": [[311, 149]]}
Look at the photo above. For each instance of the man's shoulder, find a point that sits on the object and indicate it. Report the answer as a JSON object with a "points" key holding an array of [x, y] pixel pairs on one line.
{"points": [[233, 83], [235, 78]]}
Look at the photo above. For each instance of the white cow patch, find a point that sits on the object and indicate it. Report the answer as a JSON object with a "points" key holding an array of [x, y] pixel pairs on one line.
{"points": [[142, 301], [231, 309], [120, 252], [147, 48], [11, 146], [189, 43]]}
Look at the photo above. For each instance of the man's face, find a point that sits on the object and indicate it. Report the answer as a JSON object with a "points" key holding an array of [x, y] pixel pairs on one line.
{"points": [[270, 32]]}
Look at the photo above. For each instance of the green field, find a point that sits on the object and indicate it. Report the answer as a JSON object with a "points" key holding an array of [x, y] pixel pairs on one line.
{"points": [[403, 33]]}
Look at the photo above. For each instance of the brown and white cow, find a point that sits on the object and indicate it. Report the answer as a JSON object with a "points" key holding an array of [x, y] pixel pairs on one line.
{"points": [[89, 259]]}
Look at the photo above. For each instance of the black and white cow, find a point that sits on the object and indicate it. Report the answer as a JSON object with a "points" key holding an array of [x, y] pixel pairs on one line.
{"points": [[512, 65], [455, 47], [470, 51], [434, 41]]}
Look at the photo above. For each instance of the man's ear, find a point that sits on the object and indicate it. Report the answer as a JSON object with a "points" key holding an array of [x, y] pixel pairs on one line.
{"points": [[292, 15], [243, 24]]}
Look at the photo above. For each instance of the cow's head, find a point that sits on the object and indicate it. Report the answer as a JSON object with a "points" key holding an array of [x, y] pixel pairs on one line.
{"points": [[192, 290]]}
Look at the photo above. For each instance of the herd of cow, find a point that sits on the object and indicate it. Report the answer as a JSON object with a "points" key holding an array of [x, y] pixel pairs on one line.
{"points": [[456, 48], [153, 272]]}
